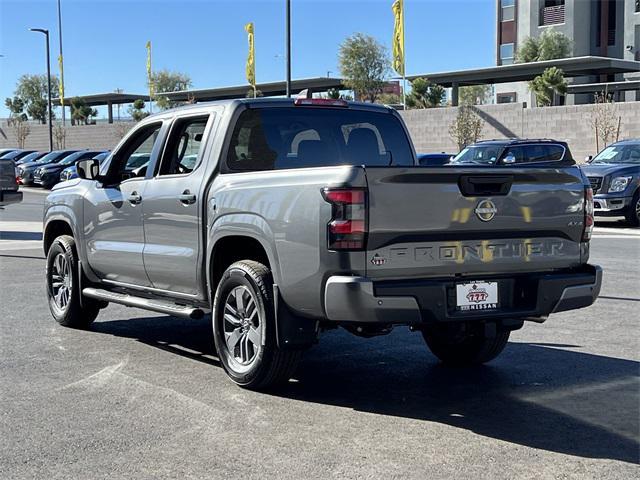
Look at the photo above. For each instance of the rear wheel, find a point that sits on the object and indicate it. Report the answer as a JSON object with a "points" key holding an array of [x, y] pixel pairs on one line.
{"points": [[244, 328], [63, 286], [465, 344], [633, 212]]}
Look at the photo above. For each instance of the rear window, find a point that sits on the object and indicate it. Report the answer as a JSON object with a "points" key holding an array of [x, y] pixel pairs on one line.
{"points": [[299, 137]]}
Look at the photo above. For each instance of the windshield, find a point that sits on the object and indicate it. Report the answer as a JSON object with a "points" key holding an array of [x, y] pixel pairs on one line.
{"points": [[30, 157], [619, 154], [51, 157], [480, 154]]}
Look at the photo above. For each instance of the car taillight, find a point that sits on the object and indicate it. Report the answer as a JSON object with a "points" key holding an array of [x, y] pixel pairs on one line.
{"points": [[588, 214], [347, 229]]}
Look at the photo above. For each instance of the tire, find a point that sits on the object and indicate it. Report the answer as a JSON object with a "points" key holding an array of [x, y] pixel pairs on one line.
{"points": [[633, 212], [244, 328], [63, 286], [465, 345]]}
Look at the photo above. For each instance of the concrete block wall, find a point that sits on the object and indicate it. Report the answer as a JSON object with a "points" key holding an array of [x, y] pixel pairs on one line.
{"points": [[429, 128], [100, 136]]}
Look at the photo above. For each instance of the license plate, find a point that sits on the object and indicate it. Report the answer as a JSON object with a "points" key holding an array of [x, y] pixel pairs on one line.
{"points": [[477, 296]]}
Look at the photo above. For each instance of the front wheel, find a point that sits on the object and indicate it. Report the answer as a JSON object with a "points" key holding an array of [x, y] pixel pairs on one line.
{"points": [[465, 344], [244, 328], [633, 212], [63, 286]]}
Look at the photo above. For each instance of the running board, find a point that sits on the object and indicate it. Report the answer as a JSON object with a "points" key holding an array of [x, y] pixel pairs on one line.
{"points": [[154, 305]]}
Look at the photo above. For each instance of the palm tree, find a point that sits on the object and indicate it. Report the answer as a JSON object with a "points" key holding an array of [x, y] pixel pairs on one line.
{"points": [[548, 85]]}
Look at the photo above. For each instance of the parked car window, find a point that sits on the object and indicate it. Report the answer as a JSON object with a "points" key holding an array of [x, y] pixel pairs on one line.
{"points": [[515, 153], [543, 153], [299, 137], [479, 154], [183, 146], [629, 153], [132, 159]]}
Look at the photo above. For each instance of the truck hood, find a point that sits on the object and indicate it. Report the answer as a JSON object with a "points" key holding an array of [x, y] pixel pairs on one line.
{"points": [[605, 169]]}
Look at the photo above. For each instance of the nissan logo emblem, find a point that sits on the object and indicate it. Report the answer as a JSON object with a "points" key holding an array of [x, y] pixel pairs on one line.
{"points": [[486, 210]]}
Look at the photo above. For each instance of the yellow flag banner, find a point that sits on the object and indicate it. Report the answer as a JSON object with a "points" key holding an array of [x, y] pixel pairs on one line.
{"points": [[251, 57], [149, 77], [61, 82], [398, 37]]}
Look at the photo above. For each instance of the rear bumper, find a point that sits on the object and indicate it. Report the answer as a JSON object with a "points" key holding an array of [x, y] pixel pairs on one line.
{"points": [[9, 197], [525, 296]]}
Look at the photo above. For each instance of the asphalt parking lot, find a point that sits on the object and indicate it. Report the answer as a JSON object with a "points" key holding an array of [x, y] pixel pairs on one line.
{"points": [[143, 396]]}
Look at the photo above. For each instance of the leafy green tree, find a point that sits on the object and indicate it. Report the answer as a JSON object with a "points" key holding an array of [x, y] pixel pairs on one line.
{"points": [[425, 94], [32, 90], [475, 95], [333, 93], [254, 94], [528, 51], [549, 46], [364, 65], [548, 85], [165, 81], [15, 106], [554, 45], [136, 110]]}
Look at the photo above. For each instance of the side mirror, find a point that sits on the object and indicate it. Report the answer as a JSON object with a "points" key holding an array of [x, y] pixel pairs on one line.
{"points": [[588, 158], [88, 169], [509, 159]]}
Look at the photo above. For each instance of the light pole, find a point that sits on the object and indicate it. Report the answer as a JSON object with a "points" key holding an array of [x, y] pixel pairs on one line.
{"points": [[288, 47], [46, 34], [61, 60]]}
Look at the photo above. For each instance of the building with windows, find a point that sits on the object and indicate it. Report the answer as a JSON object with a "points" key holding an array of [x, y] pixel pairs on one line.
{"points": [[602, 28]]}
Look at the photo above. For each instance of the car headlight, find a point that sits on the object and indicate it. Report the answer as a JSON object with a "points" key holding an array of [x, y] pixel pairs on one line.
{"points": [[618, 184]]}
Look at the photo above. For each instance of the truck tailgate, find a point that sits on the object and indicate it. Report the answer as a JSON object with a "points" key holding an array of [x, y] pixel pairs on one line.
{"points": [[430, 222]]}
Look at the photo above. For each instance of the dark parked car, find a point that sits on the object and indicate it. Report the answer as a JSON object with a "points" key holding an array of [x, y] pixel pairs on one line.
{"points": [[434, 159], [32, 157], [514, 151], [25, 171], [4, 151], [16, 155], [72, 172], [8, 184], [48, 175], [614, 175]]}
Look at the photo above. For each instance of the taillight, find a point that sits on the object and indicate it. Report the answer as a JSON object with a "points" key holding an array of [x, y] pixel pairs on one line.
{"points": [[347, 229], [588, 214]]}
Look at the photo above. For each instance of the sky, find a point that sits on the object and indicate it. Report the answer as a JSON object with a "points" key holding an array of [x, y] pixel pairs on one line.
{"points": [[104, 40]]}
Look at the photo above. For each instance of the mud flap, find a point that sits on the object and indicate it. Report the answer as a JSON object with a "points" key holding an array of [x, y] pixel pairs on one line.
{"points": [[292, 332]]}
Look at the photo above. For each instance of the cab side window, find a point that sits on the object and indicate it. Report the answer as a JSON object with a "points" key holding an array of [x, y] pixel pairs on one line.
{"points": [[183, 146], [132, 159]]}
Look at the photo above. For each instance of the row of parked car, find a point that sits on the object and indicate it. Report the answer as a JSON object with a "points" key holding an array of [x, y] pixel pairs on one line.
{"points": [[614, 173], [45, 169]]}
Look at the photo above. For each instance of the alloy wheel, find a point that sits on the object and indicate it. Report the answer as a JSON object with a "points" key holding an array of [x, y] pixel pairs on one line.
{"points": [[61, 281], [242, 326]]}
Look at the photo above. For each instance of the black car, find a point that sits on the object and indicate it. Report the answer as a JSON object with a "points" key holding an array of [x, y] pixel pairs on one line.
{"points": [[25, 171], [614, 175], [434, 159], [48, 175], [514, 151], [32, 157], [16, 155]]}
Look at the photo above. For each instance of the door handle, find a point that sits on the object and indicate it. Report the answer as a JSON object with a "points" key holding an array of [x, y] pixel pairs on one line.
{"points": [[187, 198], [135, 198]]}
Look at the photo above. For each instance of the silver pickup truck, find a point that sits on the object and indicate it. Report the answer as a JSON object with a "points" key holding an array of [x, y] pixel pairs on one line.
{"points": [[285, 218]]}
